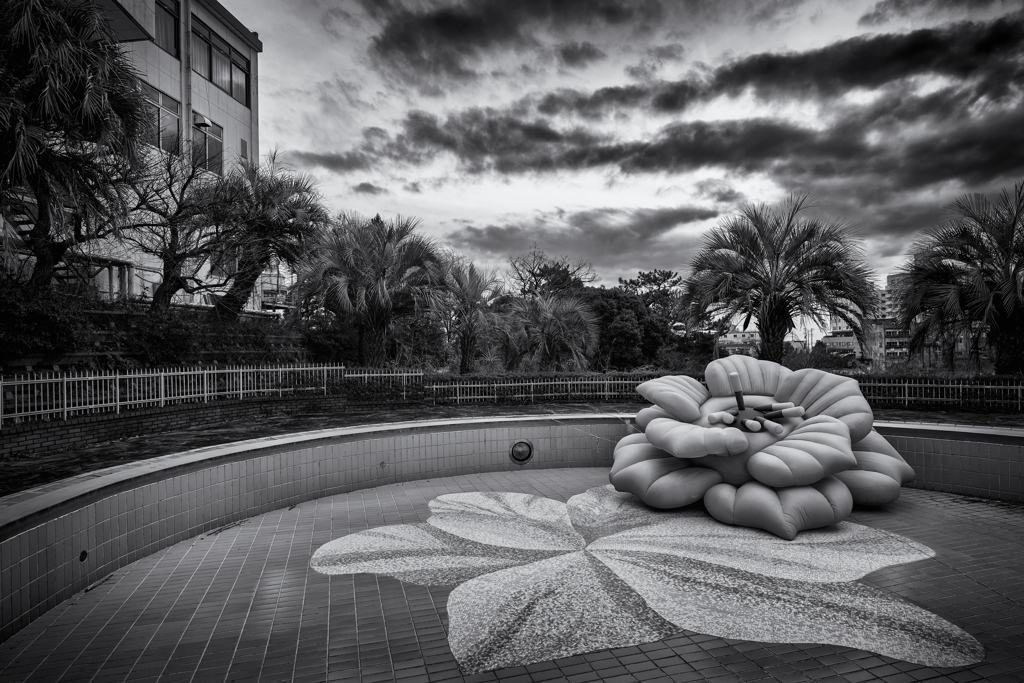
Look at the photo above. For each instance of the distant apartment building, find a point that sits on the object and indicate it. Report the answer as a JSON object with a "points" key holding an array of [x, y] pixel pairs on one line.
{"points": [[743, 342], [884, 339], [200, 71]]}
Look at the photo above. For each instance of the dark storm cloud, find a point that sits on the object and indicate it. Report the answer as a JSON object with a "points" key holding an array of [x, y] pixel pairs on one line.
{"points": [[444, 41], [486, 139], [342, 162], [369, 188], [575, 54], [990, 52], [991, 55], [886, 10], [625, 239], [718, 191]]}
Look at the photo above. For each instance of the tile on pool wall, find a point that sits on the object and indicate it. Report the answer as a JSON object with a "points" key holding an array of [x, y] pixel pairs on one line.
{"points": [[41, 566]]}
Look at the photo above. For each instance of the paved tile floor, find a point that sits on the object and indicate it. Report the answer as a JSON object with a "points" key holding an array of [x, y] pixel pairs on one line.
{"points": [[241, 604]]}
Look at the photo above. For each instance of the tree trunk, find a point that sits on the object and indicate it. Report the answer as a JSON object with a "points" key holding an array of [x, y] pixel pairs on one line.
{"points": [[375, 354], [228, 307], [467, 343], [171, 284], [46, 252], [773, 338]]}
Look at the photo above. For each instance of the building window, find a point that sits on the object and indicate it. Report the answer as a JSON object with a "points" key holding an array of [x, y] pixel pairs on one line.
{"points": [[245, 149], [165, 118], [208, 145], [219, 63], [167, 25]]}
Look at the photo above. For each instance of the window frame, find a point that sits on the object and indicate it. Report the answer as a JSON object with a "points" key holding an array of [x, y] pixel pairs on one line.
{"points": [[172, 8], [201, 141], [218, 49], [159, 102]]}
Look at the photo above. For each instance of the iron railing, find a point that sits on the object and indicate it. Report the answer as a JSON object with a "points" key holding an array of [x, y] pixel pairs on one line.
{"points": [[58, 396]]}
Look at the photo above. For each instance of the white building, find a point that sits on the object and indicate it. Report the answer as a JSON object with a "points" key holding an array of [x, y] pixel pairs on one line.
{"points": [[200, 71]]}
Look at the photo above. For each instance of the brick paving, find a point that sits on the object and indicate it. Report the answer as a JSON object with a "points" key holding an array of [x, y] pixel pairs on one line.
{"points": [[241, 604]]}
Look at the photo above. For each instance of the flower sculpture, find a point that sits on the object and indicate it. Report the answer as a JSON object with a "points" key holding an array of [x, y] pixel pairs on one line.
{"points": [[540, 579], [801, 453]]}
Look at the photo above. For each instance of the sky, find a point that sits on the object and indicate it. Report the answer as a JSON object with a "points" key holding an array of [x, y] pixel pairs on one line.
{"points": [[620, 131]]}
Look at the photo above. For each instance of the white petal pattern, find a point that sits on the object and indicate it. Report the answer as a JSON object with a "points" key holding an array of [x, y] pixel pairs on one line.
{"points": [[511, 520], [418, 554], [730, 603], [549, 609], [530, 592], [843, 552]]}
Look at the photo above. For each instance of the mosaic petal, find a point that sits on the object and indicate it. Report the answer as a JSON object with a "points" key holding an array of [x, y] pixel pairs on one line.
{"points": [[417, 553], [510, 520], [843, 552], [729, 603], [602, 511], [542, 611]]}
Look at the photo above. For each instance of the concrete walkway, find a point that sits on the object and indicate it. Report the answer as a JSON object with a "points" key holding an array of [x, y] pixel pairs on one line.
{"points": [[242, 604]]}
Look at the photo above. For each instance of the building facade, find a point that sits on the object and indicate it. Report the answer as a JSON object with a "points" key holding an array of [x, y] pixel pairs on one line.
{"points": [[200, 71]]}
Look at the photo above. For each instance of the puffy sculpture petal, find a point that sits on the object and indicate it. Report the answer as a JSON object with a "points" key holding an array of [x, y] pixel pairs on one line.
{"points": [[760, 377], [672, 399], [822, 393], [783, 512], [645, 416], [879, 473], [658, 478], [818, 448], [685, 440]]}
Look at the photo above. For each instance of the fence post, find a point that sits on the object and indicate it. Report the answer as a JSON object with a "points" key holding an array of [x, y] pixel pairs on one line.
{"points": [[161, 388], [3, 397], [117, 392], [280, 382], [206, 386], [64, 396], [906, 392], [325, 380]]}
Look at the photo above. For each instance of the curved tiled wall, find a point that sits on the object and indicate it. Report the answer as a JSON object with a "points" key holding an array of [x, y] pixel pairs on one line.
{"points": [[58, 540]]}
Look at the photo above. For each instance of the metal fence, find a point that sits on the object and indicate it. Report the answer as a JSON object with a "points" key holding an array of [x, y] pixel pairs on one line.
{"points": [[531, 390], [58, 396], [1002, 394]]}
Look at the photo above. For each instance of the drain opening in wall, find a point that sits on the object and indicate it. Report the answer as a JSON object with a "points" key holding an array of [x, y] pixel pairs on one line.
{"points": [[521, 452]]}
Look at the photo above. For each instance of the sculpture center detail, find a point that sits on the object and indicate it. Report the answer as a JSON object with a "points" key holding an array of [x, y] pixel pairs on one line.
{"points": [[795, 449]]}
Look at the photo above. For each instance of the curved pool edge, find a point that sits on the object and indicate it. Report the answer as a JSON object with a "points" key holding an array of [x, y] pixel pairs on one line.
{"points": [[120, 514]]}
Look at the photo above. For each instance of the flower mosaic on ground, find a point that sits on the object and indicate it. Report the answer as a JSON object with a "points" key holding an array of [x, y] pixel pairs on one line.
{"points": [[538, 579]]}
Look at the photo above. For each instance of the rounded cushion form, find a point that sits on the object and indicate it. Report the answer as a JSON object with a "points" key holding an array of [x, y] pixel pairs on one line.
{"points": [[870, 488], [822, 393], [656, 477], [875, 454], [818, 448], [759, 377], [783, 512], [879, 473]]}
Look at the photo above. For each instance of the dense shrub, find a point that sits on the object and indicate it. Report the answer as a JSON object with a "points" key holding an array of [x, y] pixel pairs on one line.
{"points": [[47, 324]]}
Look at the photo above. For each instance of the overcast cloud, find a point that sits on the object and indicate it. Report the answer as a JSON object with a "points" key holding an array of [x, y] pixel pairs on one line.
{"points": [[619, 131]]}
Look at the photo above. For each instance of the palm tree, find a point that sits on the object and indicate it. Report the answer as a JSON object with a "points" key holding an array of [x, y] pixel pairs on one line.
{"points": [[379, 271], [967, 275], [72, 115], [772, 265], [274, 213], [471, 293], [548, 332]]}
